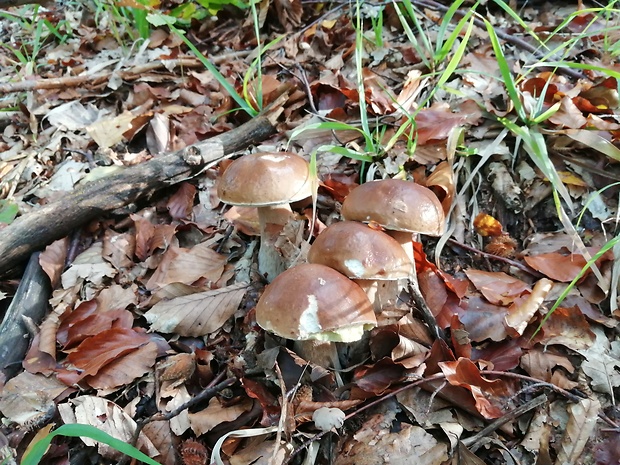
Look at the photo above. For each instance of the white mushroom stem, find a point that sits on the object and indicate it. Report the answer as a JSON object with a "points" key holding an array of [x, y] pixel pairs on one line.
{"points": [[380, 292], [272, 220], [321, 353], [405, 239]]}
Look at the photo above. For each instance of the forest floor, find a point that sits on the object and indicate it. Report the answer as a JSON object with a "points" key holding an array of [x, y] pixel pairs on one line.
{"points": [[135, 322]]}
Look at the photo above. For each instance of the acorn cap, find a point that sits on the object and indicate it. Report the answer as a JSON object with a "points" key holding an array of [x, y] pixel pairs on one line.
{"points": [[396, 205], [311, 301], [360, 252], [263, 179]]}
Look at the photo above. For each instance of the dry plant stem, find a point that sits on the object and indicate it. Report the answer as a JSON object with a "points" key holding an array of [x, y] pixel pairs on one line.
{"points": [[55, 220], [129, 74], [510, 262], [510, 416]]}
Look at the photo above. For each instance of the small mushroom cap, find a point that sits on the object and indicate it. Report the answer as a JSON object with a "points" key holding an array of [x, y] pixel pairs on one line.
{"points": [[360, 252], [263, 179], [396, 205], [312, 301]]}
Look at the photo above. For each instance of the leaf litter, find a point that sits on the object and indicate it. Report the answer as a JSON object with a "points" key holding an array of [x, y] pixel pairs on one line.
{"points": [[152, 334]]}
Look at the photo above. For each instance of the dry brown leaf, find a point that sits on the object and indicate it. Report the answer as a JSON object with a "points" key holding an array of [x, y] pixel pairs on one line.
{"points": [[181, 203], [89, 266], [186, 266], [28, 399], [119, 249], [497, 287], [108, 417], [124, 370], [52, 260], [160, 434], [374, 444], [523, 309], [568, 327], [581, 422], [150, 237], [215, 413], [197, 314]]}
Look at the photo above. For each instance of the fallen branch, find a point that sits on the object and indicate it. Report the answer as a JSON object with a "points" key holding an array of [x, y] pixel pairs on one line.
{"points": [[44, 225]]}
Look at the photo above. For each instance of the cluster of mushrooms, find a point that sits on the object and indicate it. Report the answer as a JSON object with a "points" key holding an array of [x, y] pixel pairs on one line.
{"points": [[351, 267]]}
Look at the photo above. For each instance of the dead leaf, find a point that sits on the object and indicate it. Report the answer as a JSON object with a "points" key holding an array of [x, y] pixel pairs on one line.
{"points": [[523, 309], [581, 422], [216, 413], [52, 260], [497, 287], [108, 417], [196, 314], [186, 266]]}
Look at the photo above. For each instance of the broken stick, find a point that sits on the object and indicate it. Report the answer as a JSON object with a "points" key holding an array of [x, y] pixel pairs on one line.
{"points": [[55, 220]]}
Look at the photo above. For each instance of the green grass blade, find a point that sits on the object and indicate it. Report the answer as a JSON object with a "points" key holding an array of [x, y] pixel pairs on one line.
{"points": [[161, 20], [444, 47], [567, 64], [504, 68], [76, 430], [330, 126]]}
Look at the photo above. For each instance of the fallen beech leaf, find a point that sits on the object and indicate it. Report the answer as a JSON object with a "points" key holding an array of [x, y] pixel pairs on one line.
{"points": [[196, 314], [482, 320], [186, 266], [150, 237], [523, 310], [567, 326], [497, 287], [503, 355], [118, 249], [180, 204], [28, 399], [581, 422], [490, 395], [52, 260], [378, 377], [89, 266], [97, 351], [108, 417], [542, 365], [602, 363], [436, 123], [374, 443], [215, 414], [126, 369], [441, 182]]}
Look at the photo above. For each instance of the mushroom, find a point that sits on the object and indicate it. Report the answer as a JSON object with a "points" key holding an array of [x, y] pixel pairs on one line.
{"points": [[315, 306], [268, 181], [404, 209], [368, 256]]}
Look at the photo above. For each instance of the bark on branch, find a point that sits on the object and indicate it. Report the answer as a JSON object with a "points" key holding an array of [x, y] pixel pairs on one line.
{"points": [[35, 230]]}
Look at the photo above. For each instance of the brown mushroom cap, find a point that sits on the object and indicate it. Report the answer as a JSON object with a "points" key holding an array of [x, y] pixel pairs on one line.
{"points": [[312, 301], [396, 205], [262, 179], [360, 252]]}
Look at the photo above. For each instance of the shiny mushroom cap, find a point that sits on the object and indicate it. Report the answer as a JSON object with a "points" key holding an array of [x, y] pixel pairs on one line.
{"points": [[396, 205], [263, 179], [360, 252], [312, 301]]}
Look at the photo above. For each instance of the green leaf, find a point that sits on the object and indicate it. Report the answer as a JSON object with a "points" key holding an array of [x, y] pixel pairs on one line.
{"points": [[8, 211], [37, 451]]}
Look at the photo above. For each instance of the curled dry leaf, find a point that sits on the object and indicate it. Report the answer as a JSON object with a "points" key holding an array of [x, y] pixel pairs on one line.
{"points": [[490, 396], [216, 413], [89, 266], [441, 182], [52, 260], [523, 309], [150, 237], [196, 314], [181, 203]]}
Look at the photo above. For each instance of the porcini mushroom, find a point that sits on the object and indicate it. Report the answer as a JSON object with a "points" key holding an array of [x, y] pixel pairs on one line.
{"points": [[315, 306], [269, 182], [368, 256], [405, 209]]}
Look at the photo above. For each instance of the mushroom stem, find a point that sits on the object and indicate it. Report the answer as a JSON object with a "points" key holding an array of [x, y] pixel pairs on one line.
{"points": [[405, 239], [272, 220], [380, 293], [321, 353]]}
